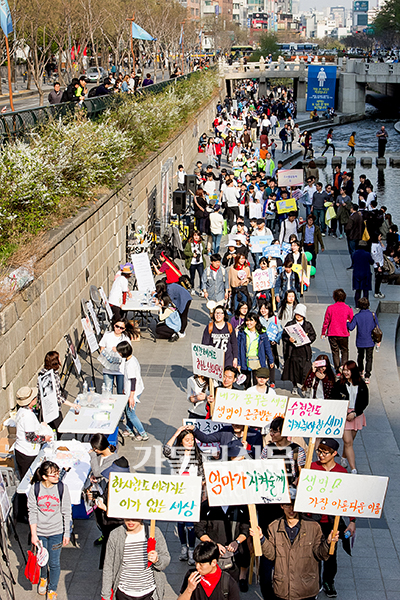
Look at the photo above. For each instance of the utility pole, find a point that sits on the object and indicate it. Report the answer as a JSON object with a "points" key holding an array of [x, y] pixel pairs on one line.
{"points": [[183, 37], [132, 52]]}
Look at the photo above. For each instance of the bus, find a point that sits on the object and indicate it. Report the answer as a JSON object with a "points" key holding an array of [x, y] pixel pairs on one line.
{"points": [[240, 51], [295, 49]]}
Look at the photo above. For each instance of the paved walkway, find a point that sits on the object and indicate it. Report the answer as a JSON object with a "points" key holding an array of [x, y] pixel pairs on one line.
{"points": [[373, 573]]}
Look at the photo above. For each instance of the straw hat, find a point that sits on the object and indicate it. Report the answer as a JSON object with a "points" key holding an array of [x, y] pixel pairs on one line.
{"points": [[25, 395]]}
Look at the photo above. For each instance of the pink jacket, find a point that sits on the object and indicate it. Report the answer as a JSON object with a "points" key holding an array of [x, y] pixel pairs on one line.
{"points": [[335, 320]]}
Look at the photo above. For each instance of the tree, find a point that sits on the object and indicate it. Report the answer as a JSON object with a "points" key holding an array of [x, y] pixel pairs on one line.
{"points": [[387, 22]]}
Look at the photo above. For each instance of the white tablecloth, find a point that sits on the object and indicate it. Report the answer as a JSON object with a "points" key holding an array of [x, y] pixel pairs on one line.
{"points": [[138, 303], [77, 458], [86, 422]]}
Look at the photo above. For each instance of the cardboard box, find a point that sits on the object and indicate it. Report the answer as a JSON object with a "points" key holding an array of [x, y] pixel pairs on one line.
{"points": [[7, 462], [6, 441]]}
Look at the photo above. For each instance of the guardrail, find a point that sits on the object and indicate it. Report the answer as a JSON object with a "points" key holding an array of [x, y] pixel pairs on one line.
{"points": [[19, 124]]}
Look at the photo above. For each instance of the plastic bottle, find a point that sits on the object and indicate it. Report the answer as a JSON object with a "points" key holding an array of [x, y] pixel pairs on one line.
{"points": [[103, 390], [85, 390], [347, 535]]}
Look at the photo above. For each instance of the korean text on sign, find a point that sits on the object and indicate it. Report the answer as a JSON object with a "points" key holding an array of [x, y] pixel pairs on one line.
{"points": [[333, 493], [319, 417], [263, 279], [208, 361], [148, 496], [247, 408], [246, 482]]}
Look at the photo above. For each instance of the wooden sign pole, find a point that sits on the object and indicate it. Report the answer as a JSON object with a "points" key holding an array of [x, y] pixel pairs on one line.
{"points": [[310, 452], [254, 526], [273, 299], [245, 432], [212, 394], [152, 528], [334, 532]]}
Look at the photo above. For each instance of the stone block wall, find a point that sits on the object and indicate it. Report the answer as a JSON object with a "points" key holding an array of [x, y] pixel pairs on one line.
{"points": [[85, 250]]}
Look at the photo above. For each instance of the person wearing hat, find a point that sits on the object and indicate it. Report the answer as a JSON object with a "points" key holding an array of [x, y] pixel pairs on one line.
{"points": [[296, 545], [326, 451], [27, 445], [262, 378], [120, 290], [297, 358]]}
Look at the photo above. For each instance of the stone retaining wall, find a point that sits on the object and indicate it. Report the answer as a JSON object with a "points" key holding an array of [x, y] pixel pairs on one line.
{"points": [[85, 250]]}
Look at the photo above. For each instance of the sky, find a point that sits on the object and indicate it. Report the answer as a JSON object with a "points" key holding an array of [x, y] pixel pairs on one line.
{"points": [[306, 4]]}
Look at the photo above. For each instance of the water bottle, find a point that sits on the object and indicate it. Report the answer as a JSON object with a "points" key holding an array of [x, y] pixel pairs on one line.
{"points": [[347, 535], [377, 348], [85, 390], [103, 390], [78, 408]]}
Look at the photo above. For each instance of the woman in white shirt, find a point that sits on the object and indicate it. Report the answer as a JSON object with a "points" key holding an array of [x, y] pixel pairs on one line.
{"points": [[121, 331], [120, 290], [28, 441]]}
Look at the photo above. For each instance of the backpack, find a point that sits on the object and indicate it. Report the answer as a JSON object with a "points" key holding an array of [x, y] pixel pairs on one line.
{"points": [[211, 325], [174, 321], [92, 92], [223, 273], [60, 487]]}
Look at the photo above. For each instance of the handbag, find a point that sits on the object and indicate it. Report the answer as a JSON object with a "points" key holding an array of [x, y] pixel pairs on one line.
{"points": [[32, 569], [253, 363], [376, 333], [226, 561], [365, 236]]}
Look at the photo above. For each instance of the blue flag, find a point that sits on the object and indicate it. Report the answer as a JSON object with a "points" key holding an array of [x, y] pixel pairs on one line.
{"points": [[137, 32], [5, 16], [181, 38]]}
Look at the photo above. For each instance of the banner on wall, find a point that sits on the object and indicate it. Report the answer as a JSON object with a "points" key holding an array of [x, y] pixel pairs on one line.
{"points": [[321, 87]]}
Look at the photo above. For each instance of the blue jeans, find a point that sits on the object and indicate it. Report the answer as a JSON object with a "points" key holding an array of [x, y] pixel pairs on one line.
{"points": [[119, 381], [132, 420], [216, 241], [352, 246], [320, 218], [256, 257], [53, 545], [308, 209]]}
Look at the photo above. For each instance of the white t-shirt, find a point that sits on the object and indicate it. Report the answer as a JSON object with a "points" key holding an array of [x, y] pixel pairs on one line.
{"points": [[110, 341], [209, 187], [353, 391], [120, 285], [181, 176], [230, 196], [26, 422], [216, 223], [132, 371]]}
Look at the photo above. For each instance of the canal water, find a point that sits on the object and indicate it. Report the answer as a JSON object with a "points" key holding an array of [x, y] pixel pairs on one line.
{"points": [[386, 182]]}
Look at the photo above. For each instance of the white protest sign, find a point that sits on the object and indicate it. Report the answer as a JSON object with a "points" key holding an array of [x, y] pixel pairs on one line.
{"points": [[298, 334], [258, 242], [290, 177], [143, 272], [319, 417], [48, 396], [93, 316], [246, 482], [106, 302], [255, 210], [208, 361], [247, 407], [333, 493], [89, 334], [74, 355], [263, 279], [274, 251], [4, 499], [148, 496]]}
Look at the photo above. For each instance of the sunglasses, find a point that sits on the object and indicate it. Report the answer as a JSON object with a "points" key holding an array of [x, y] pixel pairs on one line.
{"points": [[119, 327]]}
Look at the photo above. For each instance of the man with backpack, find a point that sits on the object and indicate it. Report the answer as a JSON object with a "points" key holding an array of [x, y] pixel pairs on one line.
{"points": [[214, 282]]}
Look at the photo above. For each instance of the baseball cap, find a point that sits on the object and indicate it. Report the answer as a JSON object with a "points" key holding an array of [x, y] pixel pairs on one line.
{"points": [[331, 443]]}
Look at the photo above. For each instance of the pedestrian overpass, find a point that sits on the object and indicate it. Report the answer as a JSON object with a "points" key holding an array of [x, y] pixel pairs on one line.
{"points": [[352, 77]]}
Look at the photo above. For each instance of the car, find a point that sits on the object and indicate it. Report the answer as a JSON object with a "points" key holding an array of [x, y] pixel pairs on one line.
{"points": [[94, 75]]}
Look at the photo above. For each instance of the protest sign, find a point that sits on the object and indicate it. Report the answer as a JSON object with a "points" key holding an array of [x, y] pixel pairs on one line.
{"points": [[208, 361], [106, 302], [206, 426], [143, 272], [48, 396], [274, 250], [263, 279], [298, 334], [297, 269], [93, 316], [290, 177], [247, 408], [246, 482], [258, 242], [315, 417], [255, 209], [148, 496], [333, 493], [284, 206], [89, 334]]}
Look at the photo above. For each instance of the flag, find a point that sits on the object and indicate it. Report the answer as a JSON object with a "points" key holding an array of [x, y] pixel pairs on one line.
{"points": [[181, 37], [5, 18], [200, 34], [137, 32]]}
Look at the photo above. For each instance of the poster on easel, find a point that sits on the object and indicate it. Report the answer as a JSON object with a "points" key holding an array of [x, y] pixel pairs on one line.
{"points": [[93, 316], [74, 354], [143, 273], [106, 303], [48, 396], [89, 334], [4, 499]]}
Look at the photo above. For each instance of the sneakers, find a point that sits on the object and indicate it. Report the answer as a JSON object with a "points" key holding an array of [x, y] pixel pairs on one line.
{"points": [[143, 437], [126, 433], [201, 294], [353, 472], [174, 338], [330, 590], [42, 587], [193, 292], [184, 553], [52, 596], [295, 391], [191, 562], [344, 463], [323, 234], [379, 295], [181, 335], [340, 236]]}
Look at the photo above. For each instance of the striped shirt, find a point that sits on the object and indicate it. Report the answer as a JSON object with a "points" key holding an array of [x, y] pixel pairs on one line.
{"points": [[137, 579]]}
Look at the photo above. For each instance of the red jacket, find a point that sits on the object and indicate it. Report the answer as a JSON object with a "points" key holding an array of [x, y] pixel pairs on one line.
{"points": [[335, 320]]}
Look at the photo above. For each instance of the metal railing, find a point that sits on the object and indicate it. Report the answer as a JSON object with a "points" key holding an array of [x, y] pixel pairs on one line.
{"points": [[20, 123]]}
